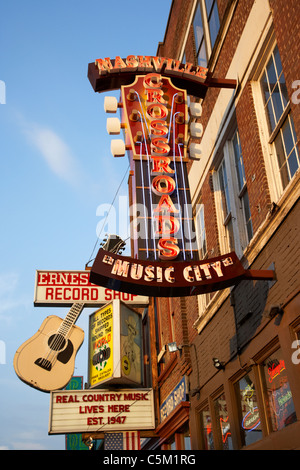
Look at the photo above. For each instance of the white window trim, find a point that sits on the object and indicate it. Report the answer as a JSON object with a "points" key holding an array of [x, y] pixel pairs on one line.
{"points": [[270, 158], [208, 48], [198, 209], [241, 241], [240, 231], [224, 27]]}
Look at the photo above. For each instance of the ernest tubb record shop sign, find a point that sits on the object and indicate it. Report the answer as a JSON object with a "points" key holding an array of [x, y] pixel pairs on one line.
{"points": [[155, 123]]}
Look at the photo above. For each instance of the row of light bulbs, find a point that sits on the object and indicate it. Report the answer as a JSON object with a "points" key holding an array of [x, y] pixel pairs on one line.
{"points": [[114, 126]]}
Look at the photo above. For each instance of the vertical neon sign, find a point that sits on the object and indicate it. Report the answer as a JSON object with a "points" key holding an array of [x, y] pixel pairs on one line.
{"points": [[155, 115]]}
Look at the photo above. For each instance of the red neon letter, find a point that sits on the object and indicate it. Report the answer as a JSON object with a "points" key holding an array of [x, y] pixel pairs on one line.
{"points": [[161, 165], [152, 80], [157, 111], [159, 146], [166, 203], [168, 248], [158, 127], [167, 225], [163, 184]]}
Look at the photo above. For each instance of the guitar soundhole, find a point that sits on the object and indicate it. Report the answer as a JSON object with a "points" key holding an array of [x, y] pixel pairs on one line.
{"points": [[57, 342]]}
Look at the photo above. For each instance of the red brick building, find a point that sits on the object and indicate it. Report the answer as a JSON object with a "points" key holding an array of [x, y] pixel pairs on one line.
{"points": [[245, 197]]}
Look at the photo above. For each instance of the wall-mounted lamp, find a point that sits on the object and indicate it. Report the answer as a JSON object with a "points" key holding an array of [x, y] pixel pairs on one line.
{"points": [[173, 347], [217, 364], [195, 392], [274, 310]]}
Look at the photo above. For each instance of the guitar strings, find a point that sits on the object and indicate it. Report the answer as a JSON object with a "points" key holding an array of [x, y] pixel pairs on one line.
{"points": [[75, 311], [60, 338], [144, 121], [183, 179], [56, 342], [186, 203], [176, 177], [149, 181]]}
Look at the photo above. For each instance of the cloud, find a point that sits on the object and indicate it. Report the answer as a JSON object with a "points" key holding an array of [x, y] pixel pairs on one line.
{"points": [[55, 152], [9, 283]]}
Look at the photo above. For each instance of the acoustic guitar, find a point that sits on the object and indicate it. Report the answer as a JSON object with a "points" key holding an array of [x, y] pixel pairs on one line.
{"points": [[46, 361]]}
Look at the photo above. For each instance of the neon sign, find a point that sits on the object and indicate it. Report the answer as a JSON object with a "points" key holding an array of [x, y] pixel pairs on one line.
{"points": [[155, 123], [275, 369], [155, 117], [251, 420]]}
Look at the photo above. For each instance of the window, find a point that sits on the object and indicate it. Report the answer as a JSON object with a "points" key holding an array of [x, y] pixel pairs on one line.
{"points": [[226, 216], [241, 183], [187, 439], [200, 231], [199, 38], [206, 429], [181, 440], [213, 20], [249, 417], [278, 395], [231, 197], [223, 426], [282, 134], [206, 25]]}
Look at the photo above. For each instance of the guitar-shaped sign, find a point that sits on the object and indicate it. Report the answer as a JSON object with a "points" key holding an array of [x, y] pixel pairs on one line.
{"points": [[46, 360]]}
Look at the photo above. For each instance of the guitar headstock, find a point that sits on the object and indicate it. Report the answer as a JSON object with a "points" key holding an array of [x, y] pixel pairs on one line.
{"points": [[157, 120], [158, 125], [113, 243]]}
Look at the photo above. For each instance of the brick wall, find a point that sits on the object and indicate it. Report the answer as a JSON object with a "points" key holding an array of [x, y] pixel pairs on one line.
{"points": [[245, 312], [177, 25], [287, 32], [251, 300], [257, 183]]}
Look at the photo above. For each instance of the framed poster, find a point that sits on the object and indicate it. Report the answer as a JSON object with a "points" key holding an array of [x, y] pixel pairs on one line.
{"points": [[115, 345]]}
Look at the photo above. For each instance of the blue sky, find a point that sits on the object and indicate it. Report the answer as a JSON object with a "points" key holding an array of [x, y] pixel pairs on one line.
{"points": [[57, 172]]}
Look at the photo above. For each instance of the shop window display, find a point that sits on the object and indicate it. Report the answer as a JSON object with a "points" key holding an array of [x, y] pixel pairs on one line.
{"points": [[280, 404], [223, 423], [249, 416], [206, 428]]}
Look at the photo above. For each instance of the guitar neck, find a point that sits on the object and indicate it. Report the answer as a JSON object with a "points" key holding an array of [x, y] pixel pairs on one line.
{"points": [[71, 318]]}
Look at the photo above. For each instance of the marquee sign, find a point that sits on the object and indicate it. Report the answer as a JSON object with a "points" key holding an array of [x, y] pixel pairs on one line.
{"points": [[156, 125], [64, 288], [111, 74], [166, 279], [81, 411]]}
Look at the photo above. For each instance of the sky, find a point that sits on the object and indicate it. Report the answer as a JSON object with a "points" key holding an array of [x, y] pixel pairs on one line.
{"points": [[58, 177]]}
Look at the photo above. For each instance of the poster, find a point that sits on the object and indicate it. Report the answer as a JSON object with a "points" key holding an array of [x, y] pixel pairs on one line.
{"points": [[101, 345], [131, 347], [115, 345]]}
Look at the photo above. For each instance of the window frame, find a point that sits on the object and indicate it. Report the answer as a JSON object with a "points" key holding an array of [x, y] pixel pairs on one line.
{"points": [[238, 405], [236, 215], [206, 40], [201, 231], [241, 193], [267, 137]]}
